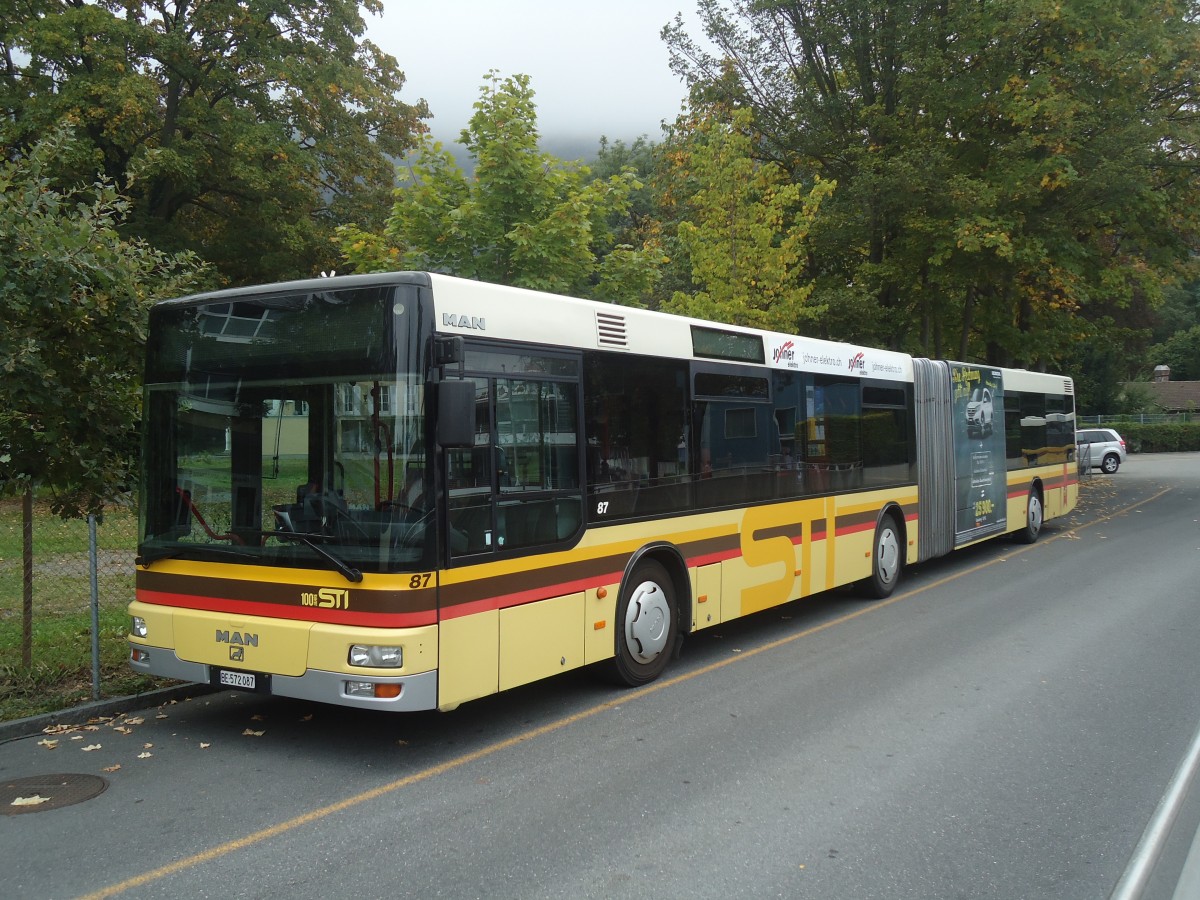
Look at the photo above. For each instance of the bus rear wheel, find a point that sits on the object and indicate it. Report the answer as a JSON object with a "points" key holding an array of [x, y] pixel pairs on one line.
{"points": [[887, 561], [647, 624]]}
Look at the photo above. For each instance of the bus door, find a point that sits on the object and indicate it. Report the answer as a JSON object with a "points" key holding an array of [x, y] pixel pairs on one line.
{"points": [[519, 486]]}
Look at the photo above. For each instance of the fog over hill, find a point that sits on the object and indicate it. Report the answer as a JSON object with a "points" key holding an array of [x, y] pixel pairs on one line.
{"points": [[567, 147]]}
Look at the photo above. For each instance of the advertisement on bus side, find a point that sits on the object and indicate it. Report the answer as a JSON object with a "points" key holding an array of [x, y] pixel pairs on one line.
{"points": [[979, 460]]}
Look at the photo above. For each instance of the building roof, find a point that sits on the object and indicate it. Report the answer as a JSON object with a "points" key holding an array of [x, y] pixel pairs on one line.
{"points": [[1171, 396]]}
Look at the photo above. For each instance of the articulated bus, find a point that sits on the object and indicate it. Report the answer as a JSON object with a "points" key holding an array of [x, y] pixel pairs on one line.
{"points": [[407, 491]]}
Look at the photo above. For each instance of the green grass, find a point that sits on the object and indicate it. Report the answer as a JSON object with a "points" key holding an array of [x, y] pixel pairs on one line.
{"points": [[61, 673]]}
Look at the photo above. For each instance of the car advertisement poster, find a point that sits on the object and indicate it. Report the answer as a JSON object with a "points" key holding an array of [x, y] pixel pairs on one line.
{"points": [[979, 461]]}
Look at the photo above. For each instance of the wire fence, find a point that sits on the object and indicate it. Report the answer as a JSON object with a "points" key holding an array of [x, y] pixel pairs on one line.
{"points": [[75, 587]]}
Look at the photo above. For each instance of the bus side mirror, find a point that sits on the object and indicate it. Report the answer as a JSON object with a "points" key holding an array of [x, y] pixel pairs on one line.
{"points": [[447, 350], [456, 414]]}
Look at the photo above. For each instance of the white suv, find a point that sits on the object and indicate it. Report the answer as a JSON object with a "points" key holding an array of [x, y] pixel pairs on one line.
{"points": [[1106, 448]]}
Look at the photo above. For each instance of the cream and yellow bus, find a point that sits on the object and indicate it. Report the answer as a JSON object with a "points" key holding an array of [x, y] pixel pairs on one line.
{"points": [[407, 491]]}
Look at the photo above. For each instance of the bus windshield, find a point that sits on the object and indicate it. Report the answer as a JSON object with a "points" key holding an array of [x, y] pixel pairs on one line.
{"points": [[259, 453]]}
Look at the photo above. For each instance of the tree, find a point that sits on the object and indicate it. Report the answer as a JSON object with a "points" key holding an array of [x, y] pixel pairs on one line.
{"points": [[245, 131], [74, 296], [744, 233], [73, 302], [522, 218], [1179, 312], [1181, 352], [1002, 168]]}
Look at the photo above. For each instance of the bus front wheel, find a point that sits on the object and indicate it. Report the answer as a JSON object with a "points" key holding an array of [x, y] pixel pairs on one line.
{"points": [[647, 623], [887, 559], [1034, 516]]}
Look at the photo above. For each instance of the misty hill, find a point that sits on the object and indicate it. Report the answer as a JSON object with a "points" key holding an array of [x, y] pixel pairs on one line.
{"points": [[567, 147]]}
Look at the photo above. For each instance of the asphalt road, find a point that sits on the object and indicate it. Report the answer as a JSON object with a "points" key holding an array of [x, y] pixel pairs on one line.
{"points": [[1003, 727]]}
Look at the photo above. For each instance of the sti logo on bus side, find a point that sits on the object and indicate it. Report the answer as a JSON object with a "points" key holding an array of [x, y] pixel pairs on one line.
{"points": [[858, 362], [472, 322]]}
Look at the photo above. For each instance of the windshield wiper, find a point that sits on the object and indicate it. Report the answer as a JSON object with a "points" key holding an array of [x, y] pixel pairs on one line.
{"points": [[152, 556], [351, 574]]}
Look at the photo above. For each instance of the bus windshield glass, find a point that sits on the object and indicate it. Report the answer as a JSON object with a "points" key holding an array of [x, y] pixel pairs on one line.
{"points": [[288, 429]]}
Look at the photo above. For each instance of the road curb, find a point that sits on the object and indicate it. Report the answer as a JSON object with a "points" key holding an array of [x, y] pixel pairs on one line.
{"points": [[16, 729]]}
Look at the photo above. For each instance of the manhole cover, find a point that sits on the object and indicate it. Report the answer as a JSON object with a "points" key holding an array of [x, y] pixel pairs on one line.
{"points": [[41, 792]]}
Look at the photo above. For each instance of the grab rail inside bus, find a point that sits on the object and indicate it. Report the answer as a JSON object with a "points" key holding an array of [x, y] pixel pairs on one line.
{"points": [[186, 497]]}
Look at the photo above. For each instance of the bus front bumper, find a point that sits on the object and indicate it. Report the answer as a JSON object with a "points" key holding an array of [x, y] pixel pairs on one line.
{"points": [[416, 692]]}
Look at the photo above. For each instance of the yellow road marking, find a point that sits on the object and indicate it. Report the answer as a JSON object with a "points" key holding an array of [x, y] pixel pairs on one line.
{"points": [[315, 815]]}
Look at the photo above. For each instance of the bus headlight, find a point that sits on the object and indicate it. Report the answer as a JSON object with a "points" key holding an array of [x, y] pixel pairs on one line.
{"points": [[371, 656], [137, 627]]}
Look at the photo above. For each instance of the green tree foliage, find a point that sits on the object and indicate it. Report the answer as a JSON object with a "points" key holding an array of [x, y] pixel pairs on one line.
{"points": [[1179, 312], [1181, 352], [522, 218], [639, 224], [74, 296], [1003, 169], [1101, 363], [743, 236], [242, 129]]}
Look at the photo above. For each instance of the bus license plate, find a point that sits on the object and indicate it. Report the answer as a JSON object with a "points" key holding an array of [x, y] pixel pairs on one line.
{"points": [[242, 681]]}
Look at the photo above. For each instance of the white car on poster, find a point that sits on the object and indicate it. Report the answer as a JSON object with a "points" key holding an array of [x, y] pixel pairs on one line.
{"points": [[979, 412]]}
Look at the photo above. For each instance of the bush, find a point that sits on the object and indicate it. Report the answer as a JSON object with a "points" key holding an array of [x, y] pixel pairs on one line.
{"points": [[1160, 438]]}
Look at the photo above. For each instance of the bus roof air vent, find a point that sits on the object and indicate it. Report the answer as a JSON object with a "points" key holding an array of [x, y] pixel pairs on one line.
{"points": [[610, 330], [1068, 386]]}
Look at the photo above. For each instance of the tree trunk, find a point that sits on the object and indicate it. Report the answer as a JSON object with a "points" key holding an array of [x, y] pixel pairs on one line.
{"points": [[27, 592]]}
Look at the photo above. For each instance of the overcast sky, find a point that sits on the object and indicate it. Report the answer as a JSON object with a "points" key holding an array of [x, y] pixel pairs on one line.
{"points": [[596, 68]]}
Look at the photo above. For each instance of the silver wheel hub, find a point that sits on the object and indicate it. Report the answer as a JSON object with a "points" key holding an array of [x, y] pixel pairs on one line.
{"points": [[1035, 514], [647, 622], [887, 556]]}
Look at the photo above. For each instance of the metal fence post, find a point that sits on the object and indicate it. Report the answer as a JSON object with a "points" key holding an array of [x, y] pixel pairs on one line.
{"points": [[93, 564]]}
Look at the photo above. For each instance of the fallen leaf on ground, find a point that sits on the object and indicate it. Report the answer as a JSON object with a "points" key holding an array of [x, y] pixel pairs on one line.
{"points": [[29, 801], [112, 768], [47, 743], [145, 755], [253, 733], [91, 747], [204, 746], [136, 720]]}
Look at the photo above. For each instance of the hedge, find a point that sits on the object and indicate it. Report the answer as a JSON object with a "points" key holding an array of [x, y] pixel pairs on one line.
{"points": [[1166, 438]]}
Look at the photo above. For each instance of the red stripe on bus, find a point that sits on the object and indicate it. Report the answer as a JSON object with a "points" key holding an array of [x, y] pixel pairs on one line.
{"points": [[302, 613], [856, 529], [520, 598], [709, 559]]}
